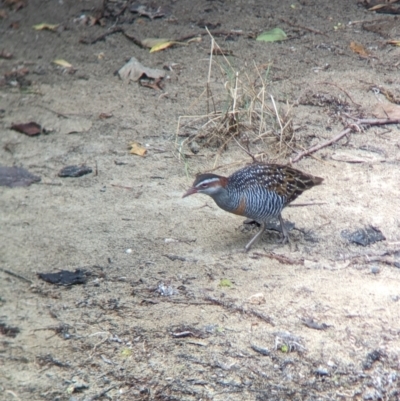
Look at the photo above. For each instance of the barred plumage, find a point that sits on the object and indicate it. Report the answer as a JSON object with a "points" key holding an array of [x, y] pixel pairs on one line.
{"points": [[258, 191]]}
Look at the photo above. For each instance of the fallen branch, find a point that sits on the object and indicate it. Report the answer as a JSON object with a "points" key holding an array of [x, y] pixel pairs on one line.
{"points": [[16, 275], [88, 41], [356, 126], [322, 145], [235, 308]]}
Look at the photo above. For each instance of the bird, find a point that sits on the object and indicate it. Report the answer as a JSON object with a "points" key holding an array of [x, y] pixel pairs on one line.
{"points": [[258, 191]]}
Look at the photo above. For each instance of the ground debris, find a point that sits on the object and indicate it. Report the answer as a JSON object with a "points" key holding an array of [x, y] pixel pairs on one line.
{"points": [[314, 325], [74, 171], [66, 277], [147, 11], [287, 342], [50, 360], [187, 331], [16, 177], [260, 350], [237, 308], [8, 331], [364, 236], [166, 290], [372, 357], [280, 258], [134, 71], [30, 129]]}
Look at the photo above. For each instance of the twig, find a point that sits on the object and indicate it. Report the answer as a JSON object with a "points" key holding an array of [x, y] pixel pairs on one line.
{"points": [[16, 275], [280, 258], [208, 32], [322, 145], [103, 393], [303, 27], [307, 204], [377, 121], [209, 94], [337, 86], [235, 308], [54, 111], [244, 150], [116, 29], [279, 121], [352, 127]]}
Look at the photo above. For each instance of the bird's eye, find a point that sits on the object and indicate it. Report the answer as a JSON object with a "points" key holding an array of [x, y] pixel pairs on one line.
{"points": [[204, 185]]}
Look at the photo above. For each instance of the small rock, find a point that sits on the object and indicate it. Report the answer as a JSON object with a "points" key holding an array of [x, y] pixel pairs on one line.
{"points": [[321, 371], [194, 147], [74, 171], [375, 270]]}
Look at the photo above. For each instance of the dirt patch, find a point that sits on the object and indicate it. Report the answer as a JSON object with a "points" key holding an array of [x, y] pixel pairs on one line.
{"points": [[171, 310]]}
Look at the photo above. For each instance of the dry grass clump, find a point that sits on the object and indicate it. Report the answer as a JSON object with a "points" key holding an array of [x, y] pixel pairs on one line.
{"points": [[237, 108]]}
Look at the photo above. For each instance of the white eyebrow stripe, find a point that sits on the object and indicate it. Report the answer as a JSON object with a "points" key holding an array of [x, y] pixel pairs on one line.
{"points": [[208, 181]]}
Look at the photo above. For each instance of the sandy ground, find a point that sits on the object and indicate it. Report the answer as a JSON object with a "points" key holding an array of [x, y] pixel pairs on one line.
{"points": [[171, 309]]}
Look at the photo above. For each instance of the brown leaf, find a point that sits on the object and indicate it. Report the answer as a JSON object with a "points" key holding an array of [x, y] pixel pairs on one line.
{"points": [[387, 110], [136, 149], [30, 129], [105, 115], [359, 49]]}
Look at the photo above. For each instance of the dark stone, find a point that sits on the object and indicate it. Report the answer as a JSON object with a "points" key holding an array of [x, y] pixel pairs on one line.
{"points": [[74, 171], [364, 236]]}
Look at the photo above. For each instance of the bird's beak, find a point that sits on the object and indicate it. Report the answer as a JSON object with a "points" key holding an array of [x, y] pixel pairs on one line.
{"points": [[190, 191]]}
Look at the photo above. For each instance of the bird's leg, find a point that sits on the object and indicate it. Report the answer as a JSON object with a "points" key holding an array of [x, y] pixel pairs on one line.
{"points": [[285, 234], [255, 238]]}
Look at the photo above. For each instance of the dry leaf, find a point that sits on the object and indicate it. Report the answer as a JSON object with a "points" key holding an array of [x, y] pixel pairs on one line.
{"points": [[387, 110], [377, 7], [157, 44], [162, 46], [43, 26], [151, 42], [62, 63], [137, 149], [359, 49], [133, 70], [105, 115], [30, 129]]}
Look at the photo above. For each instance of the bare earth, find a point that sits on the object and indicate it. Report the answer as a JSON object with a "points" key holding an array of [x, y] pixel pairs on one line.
{"points": [[171, 309]]}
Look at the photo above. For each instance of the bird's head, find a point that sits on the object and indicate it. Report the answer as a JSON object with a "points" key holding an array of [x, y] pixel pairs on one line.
{"points": [[209, 184]]}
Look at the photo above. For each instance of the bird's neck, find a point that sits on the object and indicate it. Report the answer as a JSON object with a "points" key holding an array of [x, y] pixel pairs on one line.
{"points": [[226, 200]]}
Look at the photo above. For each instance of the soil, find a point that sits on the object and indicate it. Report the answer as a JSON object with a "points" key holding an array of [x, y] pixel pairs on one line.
{"points": [[171, 308]]}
